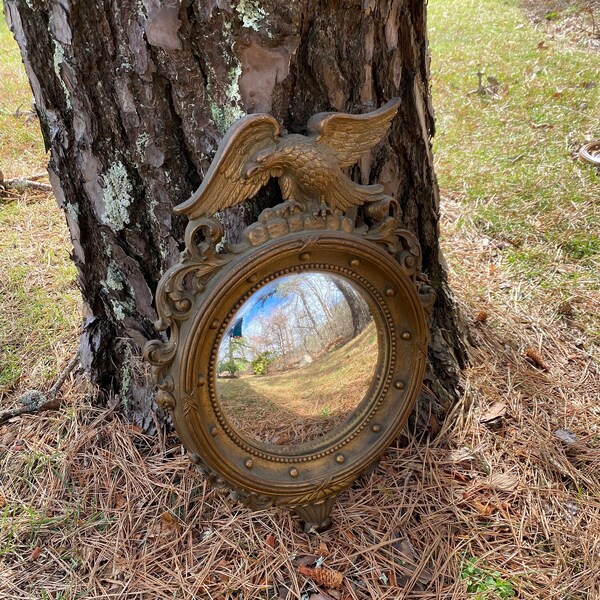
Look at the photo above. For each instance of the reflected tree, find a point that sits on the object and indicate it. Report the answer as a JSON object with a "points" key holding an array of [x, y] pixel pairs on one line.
{"points": [[358, 307]]}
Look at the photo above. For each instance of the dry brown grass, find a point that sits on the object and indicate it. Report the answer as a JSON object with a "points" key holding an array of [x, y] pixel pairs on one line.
{"points": [[120, 515], [574, 22]]}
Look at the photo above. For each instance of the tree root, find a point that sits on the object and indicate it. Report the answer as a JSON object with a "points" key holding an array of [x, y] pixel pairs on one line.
{"points": [[34, 401]]}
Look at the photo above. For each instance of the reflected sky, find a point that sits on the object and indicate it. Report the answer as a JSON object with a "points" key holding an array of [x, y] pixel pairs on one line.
{"points": [[296, 313]]}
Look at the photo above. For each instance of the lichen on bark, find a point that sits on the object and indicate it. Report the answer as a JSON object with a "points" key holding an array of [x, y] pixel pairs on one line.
{"points": [[59, 59], [224, 115], [117, 196], [251, 13]]}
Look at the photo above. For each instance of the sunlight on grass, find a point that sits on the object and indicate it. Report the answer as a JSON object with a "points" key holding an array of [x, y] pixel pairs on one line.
{"points": [[21, 145], [508, 151], [307, 401], [481, 511], [39, 302]]}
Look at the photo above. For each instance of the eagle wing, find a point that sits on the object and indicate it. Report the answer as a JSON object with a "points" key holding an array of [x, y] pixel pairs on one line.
{"points": [[351, 136], [225, 183], [346, 193]]}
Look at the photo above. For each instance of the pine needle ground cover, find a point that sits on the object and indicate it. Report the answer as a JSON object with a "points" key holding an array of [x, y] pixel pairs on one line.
{"points": [[502, 501]]}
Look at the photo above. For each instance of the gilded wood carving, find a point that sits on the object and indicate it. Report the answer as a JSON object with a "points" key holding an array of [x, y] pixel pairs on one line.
{"points": [[199, 299]]}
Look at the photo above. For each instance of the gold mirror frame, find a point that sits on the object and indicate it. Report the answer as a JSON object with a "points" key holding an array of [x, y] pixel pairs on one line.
{"points": [[198, 297]]}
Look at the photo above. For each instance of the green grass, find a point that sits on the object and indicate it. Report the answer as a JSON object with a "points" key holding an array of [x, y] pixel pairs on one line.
{"points": [[39, 302], [307, 400], [508, 156], [484, 584], [21, 147]]}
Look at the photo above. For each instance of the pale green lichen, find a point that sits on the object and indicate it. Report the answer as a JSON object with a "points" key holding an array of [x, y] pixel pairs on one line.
{"points": [[114, 278], [251, 13], [117, 196], [126, 376], [121, 308], [72, 210], [117, 282], [117, 309], [225, 115], [224, 98], [59, 59], [141, 142]]}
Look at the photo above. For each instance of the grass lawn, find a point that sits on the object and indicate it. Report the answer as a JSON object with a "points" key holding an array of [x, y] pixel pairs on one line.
{"points": [[505, 157], [491, 508], [21, 147], [40, 306]]}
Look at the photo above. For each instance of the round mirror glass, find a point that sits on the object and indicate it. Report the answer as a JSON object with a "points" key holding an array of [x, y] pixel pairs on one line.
{"points": [[297, 358]]}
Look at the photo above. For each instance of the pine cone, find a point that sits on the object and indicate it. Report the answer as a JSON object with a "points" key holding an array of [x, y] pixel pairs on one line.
{"points": [[328, 578], [536, 358], [481, 317]]}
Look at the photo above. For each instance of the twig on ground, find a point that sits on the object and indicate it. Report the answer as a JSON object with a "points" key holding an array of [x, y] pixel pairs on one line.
{"points": [[34, 177], [34, 401], [22, 183], [18, 183]]}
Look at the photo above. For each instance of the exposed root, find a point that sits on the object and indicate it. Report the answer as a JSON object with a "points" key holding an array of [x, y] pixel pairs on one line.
{"points": [[34, 401]]}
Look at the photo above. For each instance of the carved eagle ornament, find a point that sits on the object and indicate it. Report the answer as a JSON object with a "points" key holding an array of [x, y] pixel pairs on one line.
{"points": [[308, 167]]}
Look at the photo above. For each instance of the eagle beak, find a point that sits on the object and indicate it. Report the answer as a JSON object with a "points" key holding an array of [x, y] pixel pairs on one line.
{"points": [[252, 170]]}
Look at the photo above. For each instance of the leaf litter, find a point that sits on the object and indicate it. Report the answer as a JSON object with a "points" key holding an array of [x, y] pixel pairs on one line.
{"points": [[511, 478], [98, 510]]}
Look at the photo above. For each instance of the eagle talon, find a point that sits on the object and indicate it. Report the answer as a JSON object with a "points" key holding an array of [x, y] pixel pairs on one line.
{"points": [[293, 207], [323, 211]]}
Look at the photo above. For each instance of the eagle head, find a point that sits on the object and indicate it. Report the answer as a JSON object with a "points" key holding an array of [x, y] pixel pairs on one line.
{"points": [[263, 159]]}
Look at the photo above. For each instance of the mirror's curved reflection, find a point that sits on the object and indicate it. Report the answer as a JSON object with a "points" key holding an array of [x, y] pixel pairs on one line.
{"points": [[297, 358]]}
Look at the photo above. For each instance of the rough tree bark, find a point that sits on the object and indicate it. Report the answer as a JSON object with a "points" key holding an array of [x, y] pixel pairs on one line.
{"points": [[133, 97]]}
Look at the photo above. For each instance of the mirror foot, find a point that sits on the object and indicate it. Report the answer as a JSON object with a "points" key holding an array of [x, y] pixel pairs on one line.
{"points": [[316, 517]]}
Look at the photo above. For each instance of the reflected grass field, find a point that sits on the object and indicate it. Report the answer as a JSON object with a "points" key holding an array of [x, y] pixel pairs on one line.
{"points": [[301, 404]]}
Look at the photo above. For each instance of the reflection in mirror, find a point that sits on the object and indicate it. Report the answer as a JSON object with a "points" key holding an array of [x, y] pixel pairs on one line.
{"points": [[297, 358]]}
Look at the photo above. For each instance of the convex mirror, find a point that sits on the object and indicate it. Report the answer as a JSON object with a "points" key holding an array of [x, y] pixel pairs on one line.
{"points": [[295, 357]]}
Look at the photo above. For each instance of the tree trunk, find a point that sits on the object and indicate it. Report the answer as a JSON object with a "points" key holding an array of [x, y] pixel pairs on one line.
{"points": [[133, 97]]}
